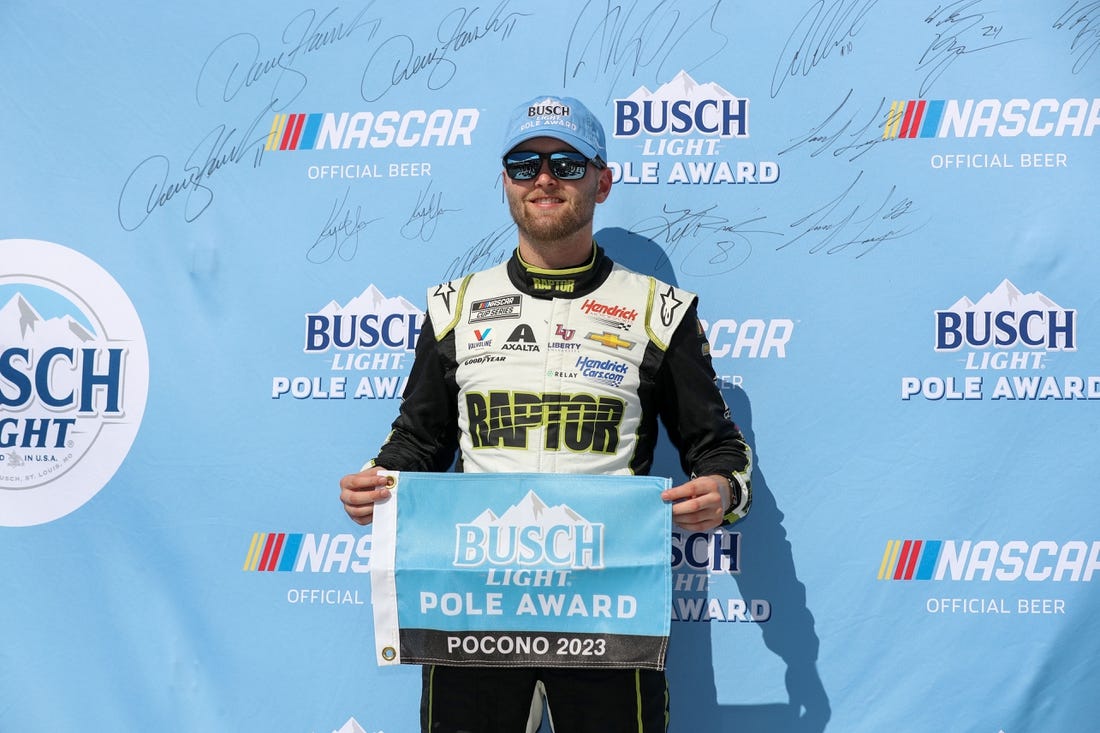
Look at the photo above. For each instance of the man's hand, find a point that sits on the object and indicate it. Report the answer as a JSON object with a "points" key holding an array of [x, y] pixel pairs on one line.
{"points": [[699, 504], [359, 491]]}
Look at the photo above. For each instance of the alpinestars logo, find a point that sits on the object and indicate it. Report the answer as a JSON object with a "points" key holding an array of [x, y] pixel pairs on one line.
{"points": [[74, 377], [1012, 334], [530, 534]]}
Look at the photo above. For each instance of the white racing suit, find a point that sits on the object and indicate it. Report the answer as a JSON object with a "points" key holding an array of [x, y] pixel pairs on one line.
{"points": [[565, 371]]}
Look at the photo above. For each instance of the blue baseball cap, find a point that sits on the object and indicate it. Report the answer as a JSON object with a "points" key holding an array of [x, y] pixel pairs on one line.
{"points": [[562, 118]]}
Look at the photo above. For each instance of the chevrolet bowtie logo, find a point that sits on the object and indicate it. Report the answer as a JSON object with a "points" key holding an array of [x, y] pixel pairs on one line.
{"points": [[610, 340]]}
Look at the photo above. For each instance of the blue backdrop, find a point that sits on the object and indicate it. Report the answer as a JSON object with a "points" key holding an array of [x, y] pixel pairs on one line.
{"points": [[884, 209]]}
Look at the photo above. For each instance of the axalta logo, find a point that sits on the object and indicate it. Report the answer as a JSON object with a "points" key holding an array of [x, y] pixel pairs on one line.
{"points": [[308, 553], [682, 107], [74, 377], [360, 130], [1007, 318], [530, 534], [970, 118], [1046, 560]]}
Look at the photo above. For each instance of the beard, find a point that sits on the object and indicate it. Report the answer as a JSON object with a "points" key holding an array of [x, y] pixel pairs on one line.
{"points": [[548, 227]]}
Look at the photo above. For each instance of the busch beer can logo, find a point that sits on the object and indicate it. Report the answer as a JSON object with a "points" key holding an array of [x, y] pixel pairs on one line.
{"points": [[1007, 318], [74, 377], [530, 534], [682, 107]]}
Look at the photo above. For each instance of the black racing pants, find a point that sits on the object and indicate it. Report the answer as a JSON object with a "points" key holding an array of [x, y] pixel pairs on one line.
{"points": [[498, 700]]}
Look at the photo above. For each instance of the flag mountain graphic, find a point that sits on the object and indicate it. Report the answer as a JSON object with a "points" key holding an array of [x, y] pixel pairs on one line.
{"points": [[530, 510]]}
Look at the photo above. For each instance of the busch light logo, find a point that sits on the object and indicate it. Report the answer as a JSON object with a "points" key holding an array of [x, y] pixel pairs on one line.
{"points": [[363, 344], [682, 107], [1003, 336], [1005, 319], [368, 321], [74, 377], [530, 534]]}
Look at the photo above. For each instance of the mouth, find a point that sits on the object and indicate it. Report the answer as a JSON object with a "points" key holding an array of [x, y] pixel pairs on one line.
{"points": [[545, 201]]}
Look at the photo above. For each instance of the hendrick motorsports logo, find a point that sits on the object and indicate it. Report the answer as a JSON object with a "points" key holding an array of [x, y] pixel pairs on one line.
{"points": [[1012, 335], [530, 535], [74, 377], [370, 333], [686, 119]]}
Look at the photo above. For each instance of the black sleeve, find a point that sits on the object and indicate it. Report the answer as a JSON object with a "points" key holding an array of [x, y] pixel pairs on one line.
{"points": [[696, 417], [424, 437]]}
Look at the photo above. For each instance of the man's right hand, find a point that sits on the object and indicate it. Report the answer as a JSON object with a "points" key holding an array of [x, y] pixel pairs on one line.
{"points": [[359, 491]]}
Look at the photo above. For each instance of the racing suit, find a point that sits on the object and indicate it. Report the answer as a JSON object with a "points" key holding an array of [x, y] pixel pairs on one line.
{"points": [[560, 371]]}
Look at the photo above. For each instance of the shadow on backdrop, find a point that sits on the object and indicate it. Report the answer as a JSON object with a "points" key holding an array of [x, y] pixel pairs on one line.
{"points": [[767, 572]]}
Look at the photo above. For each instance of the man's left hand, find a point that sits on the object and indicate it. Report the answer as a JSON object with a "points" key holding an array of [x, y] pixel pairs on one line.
{"points": [[699, 504]]}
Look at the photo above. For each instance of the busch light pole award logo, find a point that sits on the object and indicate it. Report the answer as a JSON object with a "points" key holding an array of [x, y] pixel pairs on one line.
{"points": [[74, 376]]}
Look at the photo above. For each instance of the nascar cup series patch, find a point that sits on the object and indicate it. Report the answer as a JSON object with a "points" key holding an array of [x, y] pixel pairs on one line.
{"points": [[522, 570]]}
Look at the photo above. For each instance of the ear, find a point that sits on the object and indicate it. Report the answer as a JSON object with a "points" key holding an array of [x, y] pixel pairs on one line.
{"points": [[603, 185]]}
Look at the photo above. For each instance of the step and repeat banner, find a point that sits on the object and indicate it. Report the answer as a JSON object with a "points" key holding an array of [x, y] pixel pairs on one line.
{"points": [[219, 224]]}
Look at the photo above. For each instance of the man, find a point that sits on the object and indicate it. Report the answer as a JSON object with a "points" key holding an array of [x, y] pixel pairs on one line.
{"points": [[559, 361]]}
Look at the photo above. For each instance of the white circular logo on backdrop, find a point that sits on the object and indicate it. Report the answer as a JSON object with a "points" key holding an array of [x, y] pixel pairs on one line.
{"points": [[74, 376]]}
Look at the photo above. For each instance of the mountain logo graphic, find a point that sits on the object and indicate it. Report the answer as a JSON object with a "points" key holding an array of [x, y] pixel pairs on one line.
{"points": [[1006, 318], [682, 106], [75, 369], [530, 534], [366, 322]]}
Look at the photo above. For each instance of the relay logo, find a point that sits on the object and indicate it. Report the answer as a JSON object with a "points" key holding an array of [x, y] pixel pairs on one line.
{"points": [[530, 534], [986, 560], [1007, 318], [971, 118]]}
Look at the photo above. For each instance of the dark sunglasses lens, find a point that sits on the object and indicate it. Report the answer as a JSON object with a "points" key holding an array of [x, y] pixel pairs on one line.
{"points": [[522, 166], [568, 166]]}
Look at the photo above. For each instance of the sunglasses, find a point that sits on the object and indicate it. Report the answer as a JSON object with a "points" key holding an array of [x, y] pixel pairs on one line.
{"points": [[524, 165]]}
